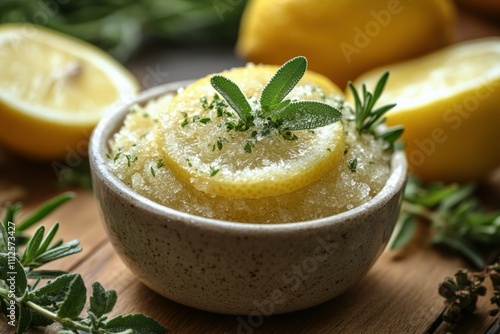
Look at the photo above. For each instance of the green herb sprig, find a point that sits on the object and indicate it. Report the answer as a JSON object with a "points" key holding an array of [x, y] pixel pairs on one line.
{"points": [[367, 119], [63, 298], [276, 111], [455, 217]]}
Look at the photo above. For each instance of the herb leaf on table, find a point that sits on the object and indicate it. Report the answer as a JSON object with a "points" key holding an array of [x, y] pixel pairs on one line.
{"points": [[456, 219], [63, 298]]}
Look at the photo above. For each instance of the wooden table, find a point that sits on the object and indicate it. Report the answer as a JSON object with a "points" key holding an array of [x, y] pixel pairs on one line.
{"points": [[398, 295]]}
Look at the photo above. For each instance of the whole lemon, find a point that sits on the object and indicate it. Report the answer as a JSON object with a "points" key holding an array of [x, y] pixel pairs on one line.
{"points": [[344, 38]]}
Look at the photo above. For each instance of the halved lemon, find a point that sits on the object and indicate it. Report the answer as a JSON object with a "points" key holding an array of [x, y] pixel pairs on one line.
{"points": [[54, 89], [201, 148], [448, 102]]}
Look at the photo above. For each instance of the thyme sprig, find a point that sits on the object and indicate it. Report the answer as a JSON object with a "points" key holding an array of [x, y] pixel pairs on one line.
{"points": [[367, 119], [62, 299], [276, 111]]}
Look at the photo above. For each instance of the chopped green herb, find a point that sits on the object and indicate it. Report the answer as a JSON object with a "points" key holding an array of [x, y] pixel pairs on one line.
{"points": [[248, 147], [205, 120], [119, 152], [219, 143], [108, 156], [130, 159], [289, 136], [189, 163], [329, 149], [204, 103], [213, 171], [353, 164], [185, 122], [196, 118], [160, 163], [153, 172]]}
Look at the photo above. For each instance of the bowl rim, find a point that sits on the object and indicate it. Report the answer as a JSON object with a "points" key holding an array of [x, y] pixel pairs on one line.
{"points": [[112, 122]]}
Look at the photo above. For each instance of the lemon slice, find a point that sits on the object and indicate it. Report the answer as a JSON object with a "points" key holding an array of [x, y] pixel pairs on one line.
{"points": [[54, 89], [448, 103], [200, 149]]}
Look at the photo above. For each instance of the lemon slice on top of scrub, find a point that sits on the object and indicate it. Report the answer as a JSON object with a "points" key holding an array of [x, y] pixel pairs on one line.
{"points": [[253, 132]]}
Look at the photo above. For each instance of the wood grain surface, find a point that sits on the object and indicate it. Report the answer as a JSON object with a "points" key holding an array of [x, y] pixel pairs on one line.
{"points": [[398, 295]]}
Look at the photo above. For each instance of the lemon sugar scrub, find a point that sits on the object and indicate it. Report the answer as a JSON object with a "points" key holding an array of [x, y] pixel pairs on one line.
{"points": [[256, 144]]}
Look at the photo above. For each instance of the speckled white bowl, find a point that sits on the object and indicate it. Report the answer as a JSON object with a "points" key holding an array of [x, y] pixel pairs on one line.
{"points": [[238, 268]]}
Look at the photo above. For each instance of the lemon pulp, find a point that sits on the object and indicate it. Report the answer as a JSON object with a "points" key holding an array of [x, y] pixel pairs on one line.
{"points": [[137, 159], [54, 89]]}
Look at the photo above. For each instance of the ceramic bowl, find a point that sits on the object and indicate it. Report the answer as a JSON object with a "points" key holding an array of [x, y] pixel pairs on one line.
{"points": [[238, 268]]}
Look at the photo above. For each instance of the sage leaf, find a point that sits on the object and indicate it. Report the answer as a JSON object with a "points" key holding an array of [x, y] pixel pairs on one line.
{"points": [[74, 300], [282, 82], [24, 320], [303, 115], [138, 323], [53, 292], [44, 210], [101, 301], [11, 270], [234, 96]]}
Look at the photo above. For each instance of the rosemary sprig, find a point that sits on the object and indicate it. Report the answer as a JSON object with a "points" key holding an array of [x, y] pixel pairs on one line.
{"points": [[276, 111], [455, 217], [368, 120], [25, 304]]}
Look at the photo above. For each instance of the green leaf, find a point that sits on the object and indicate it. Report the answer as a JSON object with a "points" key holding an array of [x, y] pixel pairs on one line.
{"points": [[52, 254], [434, 194], [101, 301], [45, 274], [457, 195], [282, 82], [461, 246], [53, 292], [303, 115], [392, 134], [234, 96], [407, 226], [4, 240], [10, 213], [378, 90], [31, 250], [48, 238], [74, 300], [138, 323], [12, 272], [24, 320], [44, 210]]}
